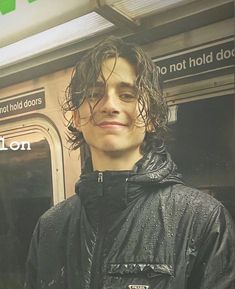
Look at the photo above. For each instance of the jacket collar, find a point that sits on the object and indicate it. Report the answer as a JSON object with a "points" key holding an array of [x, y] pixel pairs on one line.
{"points": [[106, 192], [112, 191]]}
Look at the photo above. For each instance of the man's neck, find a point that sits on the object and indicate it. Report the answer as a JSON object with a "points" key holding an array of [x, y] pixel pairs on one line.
{"points": [[114, 161]]}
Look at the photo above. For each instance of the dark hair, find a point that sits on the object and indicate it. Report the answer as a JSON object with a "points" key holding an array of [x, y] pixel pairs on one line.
{"points": [[154, 108]]}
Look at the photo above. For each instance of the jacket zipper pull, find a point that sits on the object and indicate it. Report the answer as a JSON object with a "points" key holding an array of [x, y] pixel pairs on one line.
{"points": [[100, 184], [100, 177]]}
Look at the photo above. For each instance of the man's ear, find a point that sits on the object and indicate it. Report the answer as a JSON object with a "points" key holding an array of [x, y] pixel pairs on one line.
{"points": [[149, 127], [76, 120]]}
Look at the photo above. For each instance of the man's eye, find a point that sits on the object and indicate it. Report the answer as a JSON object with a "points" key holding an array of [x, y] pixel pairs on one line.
{"points": [[128, 97]]}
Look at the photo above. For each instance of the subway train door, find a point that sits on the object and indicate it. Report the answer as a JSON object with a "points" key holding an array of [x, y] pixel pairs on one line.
{"points": [[31, 180], [203, 146]]}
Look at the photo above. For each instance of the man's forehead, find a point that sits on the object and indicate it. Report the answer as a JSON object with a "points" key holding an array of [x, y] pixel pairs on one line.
{"points": [[116, 67]]}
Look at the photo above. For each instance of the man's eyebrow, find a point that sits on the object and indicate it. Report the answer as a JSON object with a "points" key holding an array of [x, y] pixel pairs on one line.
{"points": [[121, 84], [124, 84]]}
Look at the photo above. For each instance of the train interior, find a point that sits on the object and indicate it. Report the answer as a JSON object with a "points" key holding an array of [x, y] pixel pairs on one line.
{"points": [[191, 42]]}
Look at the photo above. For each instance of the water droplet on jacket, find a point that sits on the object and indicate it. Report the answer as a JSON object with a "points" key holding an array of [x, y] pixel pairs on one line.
{"points": [[51, 283]]}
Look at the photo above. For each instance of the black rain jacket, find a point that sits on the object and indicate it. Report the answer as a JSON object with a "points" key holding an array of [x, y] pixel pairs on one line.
{"points": [[140, 229]]}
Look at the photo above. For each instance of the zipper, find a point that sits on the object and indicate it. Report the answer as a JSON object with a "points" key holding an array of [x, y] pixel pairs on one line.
{"points": [[100, 181], [96, 271], [100, 177]]}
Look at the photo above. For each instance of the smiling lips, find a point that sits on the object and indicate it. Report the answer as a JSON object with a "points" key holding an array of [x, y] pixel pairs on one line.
{"points": [[111, 124]]}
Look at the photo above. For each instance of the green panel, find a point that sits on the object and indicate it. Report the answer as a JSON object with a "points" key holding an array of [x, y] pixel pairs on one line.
{"points": [[7, 6]]}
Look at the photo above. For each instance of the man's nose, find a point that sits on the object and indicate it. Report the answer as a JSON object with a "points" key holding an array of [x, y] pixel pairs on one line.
{"points": [[109, 103]]}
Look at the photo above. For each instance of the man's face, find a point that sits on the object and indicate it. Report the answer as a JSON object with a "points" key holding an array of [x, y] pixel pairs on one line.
{"points": [[113, 125]]}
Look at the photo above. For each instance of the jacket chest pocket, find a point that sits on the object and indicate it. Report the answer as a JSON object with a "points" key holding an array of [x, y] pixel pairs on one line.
{"points": [[138, 276]]}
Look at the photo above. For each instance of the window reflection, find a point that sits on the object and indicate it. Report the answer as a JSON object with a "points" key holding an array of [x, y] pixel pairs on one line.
{"points": [[202, 145], [25, 193]]}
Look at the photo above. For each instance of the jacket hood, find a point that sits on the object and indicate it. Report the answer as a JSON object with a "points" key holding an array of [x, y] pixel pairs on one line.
{"points": [[156, 167]]}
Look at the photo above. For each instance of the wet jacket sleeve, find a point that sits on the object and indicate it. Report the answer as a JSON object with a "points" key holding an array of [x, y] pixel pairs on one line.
{"points": [[214, 267], [31, 263]]}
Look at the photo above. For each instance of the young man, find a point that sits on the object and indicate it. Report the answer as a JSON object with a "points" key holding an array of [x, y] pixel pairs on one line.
{"points": [[132, 222]]}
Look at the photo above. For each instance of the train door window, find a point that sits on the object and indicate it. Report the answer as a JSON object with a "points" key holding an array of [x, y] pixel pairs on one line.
{"points": [[26, 192], [202, 145]]}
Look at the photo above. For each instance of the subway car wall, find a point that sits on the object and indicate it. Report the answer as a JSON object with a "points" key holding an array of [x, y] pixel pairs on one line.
{"points": [[32, 178]]}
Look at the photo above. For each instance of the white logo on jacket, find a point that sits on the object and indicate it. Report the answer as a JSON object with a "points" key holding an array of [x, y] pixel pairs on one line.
{"points": [[138, 287]]}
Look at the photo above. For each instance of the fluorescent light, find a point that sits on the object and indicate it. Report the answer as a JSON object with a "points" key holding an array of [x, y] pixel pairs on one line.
{"points": [[61, 35], [136, 9]]}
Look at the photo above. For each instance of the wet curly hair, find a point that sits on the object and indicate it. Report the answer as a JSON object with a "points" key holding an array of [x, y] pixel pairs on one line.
{"points": [[153, 110]]}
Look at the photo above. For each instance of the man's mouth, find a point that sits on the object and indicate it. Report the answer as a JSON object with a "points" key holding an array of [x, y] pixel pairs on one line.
{"points": [[111, 124]]}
